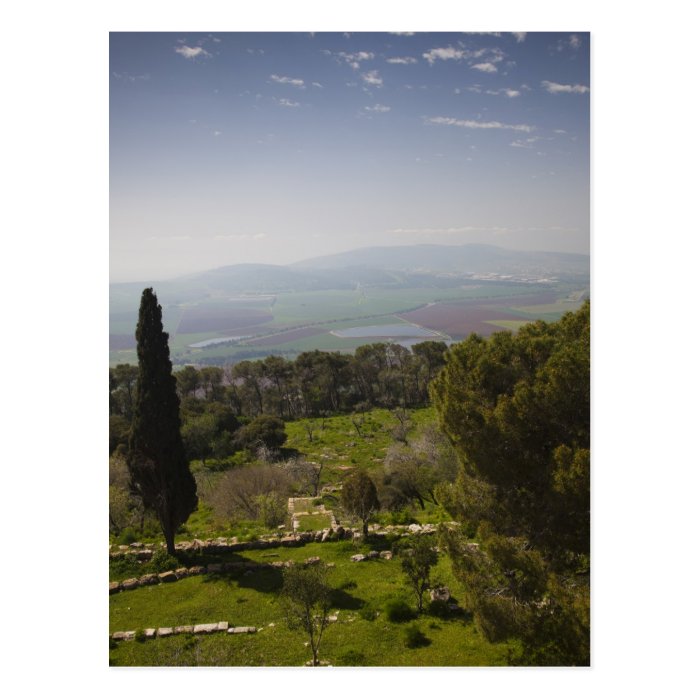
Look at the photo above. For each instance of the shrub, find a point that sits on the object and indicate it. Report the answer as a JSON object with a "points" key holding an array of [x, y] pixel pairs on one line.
{"points": [[414, 638], [399, 611], [439, 608], [140, 636], [127, 536], [162, 561]]}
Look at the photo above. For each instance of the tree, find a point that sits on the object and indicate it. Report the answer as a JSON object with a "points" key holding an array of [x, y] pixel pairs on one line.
{"points": [[156, 458], [517, 410], [359, 498], [417, 559], [306, 601], [263, 430]]}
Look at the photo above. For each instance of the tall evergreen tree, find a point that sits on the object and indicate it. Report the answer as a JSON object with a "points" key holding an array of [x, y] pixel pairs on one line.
{"points": [[158, 467]]}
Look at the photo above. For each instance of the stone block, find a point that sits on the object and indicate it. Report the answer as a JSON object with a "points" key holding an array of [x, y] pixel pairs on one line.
{"points": [[165, 631], [167, 577], [130, 584], [206, 628], [150, 633], [386, 554], [242, 630], [148, 580], [313, 560], [358, 557], [222, 626], [114, 587], [183, 629]]}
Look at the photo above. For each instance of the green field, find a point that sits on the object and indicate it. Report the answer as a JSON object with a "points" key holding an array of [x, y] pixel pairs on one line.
{"points": [[362, 635]]}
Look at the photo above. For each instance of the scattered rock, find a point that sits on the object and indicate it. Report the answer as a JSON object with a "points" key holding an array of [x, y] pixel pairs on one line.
{"points": [[150, 633], [114, 587], [414, 527], [196, 570], [442, 594], [167, 577], [183, 629], [313, 560], [130, 583], [222, 626], [182, 572], [373, 555], [148, 580], [358, 557], [386, 554], [332, 618], [165, 631]]}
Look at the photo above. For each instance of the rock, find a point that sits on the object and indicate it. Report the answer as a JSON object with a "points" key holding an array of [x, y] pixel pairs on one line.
{"points": [[120, 636], [130, 583], [148, 580], [222, 627], [272, 624], [332, 618], [144, 555], [386, 554], [183, 629], [114, 587], [242, 630], [358, 557], [206, 628], [372, 555], [313, 560], [214, 568], [150, 633], [414, 528], [165, 631], [136, 545], [167, 577], [182, 572], [442, 594], [196, 570]]}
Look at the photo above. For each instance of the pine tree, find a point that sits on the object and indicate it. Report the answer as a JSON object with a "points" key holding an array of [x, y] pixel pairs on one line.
{"points": [[158, 467]]}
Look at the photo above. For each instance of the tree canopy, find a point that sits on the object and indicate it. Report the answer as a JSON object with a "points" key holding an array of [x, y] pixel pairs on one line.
{"points": [[517, 410]]}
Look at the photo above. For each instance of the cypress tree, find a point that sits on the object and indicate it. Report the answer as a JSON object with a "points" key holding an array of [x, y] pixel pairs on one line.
{"points": [[158, 467]]}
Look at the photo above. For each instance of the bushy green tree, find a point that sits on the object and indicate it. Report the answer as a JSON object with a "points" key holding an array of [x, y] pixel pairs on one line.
{"points": [[262, 431], [517, 410], [156, 456]]}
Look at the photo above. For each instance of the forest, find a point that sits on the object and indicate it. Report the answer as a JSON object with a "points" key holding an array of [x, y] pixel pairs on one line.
{"points": [[488, 439]]}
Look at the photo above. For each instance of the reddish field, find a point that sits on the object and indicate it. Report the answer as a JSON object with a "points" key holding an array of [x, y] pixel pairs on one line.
{"points": [[203, 320], [288, 336], [460, 319]]}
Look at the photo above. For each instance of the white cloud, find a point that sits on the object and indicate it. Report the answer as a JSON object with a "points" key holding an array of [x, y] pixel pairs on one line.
{"points": [[217, 133], [444, 54], [574, 41], [372, 78], [284, 102], [296, 82], [402, 33], [378, 108], [555, 88], [131, 78], [191, 52], [508, 92], [354, 59], [402, 60], [519, 36], [472, 124], [485, 67], [318, 85]]}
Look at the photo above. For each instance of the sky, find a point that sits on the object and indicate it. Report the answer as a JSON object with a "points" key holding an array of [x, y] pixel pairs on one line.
{"points": [[230, 148]]}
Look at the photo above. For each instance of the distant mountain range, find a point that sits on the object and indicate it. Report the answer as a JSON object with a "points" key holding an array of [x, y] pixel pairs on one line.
{"points": [[396, 266]]}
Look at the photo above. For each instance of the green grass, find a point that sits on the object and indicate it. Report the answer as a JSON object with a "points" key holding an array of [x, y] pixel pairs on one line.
{"points": [[358, 638], [315, 522]]}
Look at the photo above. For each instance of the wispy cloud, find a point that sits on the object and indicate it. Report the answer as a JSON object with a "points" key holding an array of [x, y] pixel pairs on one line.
{"points": [[448, 231], [485, 67], [192, 51], [353, 59], [519, 36], [506, 92], [378, 108], [402, 60], [284, 102], [402, 33], [125, 77], [296, 82], [317, 85], [473, 124], [373, 78], [555, 88], [572, 42]]}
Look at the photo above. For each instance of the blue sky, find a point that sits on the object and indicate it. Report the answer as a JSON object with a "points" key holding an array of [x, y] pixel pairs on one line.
{"points": [[228, 148]]}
